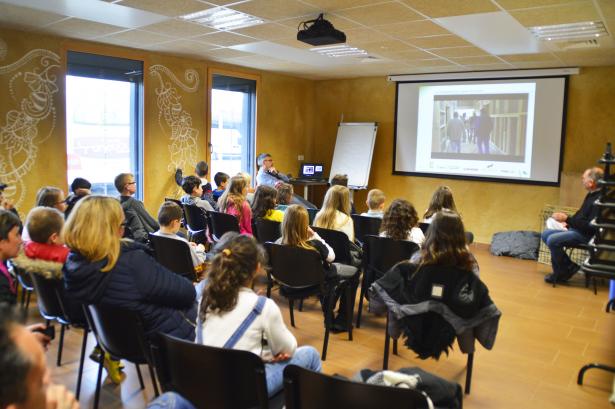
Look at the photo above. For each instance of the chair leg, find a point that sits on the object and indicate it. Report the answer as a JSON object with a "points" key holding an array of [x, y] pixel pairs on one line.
{"points": [[395, 347], [349, 310], [99, 379], [469, 373], [154, 383], [300, 305], [328, 320], [292, 313], [387, 342], [81, 359], [140, 376], [590, 366], [61, 344], [360, 310], [595, 286]]}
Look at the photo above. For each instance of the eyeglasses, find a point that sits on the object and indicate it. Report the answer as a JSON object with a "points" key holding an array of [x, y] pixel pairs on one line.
{"points": [[268, 160], [132, 183]]}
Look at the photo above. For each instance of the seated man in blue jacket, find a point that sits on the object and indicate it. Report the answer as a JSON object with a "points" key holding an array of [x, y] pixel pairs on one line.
{"points": [[576, 229]]}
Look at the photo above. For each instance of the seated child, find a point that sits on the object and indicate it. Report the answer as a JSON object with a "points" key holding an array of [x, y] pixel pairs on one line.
{"points": [[220, 179], [375, 204], [400, 222], [194, 190], [234, 202], [342, 180], [169, 217], [285, 195], [10, 243], [264, 204]]}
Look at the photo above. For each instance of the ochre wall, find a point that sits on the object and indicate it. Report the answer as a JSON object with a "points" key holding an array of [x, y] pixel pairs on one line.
{"points": [[486, 207], [175, 121]]}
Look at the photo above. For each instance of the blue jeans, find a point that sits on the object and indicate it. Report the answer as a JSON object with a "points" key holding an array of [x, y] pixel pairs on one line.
{"points": [[455, 146], [170, 400], [556, 240], [305, 357]]}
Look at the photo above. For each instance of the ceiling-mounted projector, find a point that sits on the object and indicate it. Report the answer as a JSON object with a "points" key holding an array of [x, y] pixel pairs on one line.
{"points": [[320, 32]]}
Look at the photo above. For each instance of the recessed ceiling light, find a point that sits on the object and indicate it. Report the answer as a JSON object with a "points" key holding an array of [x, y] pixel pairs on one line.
{"points": [[573, 31], [339, 50], [222, 18]]}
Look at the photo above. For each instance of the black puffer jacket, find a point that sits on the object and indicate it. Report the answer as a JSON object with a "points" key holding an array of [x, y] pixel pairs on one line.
{"points": [[164, 300]]}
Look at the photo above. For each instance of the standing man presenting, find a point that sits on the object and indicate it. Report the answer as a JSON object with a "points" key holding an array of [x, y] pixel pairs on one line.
{"points": [[572, 230]]}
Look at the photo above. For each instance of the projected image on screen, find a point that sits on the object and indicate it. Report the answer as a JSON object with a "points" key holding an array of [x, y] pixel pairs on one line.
{"points": [[496, 128], [481, 127]]}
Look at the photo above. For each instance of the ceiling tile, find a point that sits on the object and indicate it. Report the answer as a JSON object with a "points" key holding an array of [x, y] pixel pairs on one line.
{"points": [[225, 53], [432, 62], [332, 5], [182, 46], [178, 28], [608, 8], [136, 37], [275, 9], [439, 42], [487, 59], [469, 51], [570, 13], [541, 57], [77, 28], [387, 48], [406, 30], [358, 36], [16, 16], [447, 8], [172, 8], [293, 42], [538, 64], [379, 14], [223, 2], [225, 39], [489, 67], [268, 31], [409, 56], [526, 4]]}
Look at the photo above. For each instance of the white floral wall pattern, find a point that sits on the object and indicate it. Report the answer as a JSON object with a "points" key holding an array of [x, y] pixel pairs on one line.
{"points": [[174, 120], [30, 117]]}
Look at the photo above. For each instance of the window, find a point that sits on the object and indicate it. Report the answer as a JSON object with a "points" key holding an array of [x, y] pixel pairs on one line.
{"points": [[104, 131], [233, 109]]}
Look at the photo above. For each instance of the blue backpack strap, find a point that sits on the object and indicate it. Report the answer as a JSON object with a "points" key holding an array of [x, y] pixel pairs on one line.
{"points": [[256, 311]]}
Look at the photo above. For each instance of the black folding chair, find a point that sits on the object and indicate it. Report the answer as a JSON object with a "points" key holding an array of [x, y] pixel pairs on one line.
{"points": [[26, 286], [53, 306], [196, 223], [301, 274], [213, 378], [338, 241], [267, 230], [305, 389], [222, 223], [120, 333], [424, 227], [174, 254], [364, 225], [379, 255]]}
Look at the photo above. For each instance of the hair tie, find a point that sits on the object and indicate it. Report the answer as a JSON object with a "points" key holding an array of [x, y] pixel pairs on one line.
{"points": [[226, 252]]}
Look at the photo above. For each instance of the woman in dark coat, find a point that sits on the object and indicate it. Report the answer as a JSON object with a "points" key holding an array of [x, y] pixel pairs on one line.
{"points": [[106, 270]]}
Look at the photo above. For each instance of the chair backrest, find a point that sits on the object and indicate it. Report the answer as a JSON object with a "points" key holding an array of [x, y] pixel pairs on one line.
{"points": [[174, 254], [338, 241], [210, 377], [364, 225], [222, 223], [47, 296], [168, 199], [305, 389], [312, 214], [424, 227], [196, 219], [118, 331], [295, 266], [382, 253], [267, 230]]}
